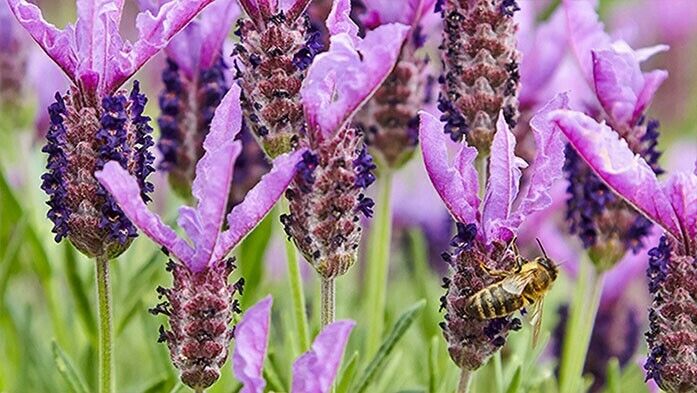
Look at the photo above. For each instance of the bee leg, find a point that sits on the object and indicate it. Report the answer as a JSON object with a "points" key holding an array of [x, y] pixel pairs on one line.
{"points": [[495, 272]]}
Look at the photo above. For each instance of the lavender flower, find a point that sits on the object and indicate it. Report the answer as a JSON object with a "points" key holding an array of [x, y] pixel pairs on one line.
{"points": [[481, 68], [200, 303], [621, 92], [95, 122], [326, 196], [390, 116], [313, 372], [14, 55], [195, 80], [484, 235], [276, 47], [672, 267]]}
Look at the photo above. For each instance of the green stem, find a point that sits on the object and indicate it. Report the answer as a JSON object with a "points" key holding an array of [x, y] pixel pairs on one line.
{"points": [[465, 380], [498, 372], [328, 300], [579, 327], [105, 331], [296, 290], [378, 264], [481, 163]]}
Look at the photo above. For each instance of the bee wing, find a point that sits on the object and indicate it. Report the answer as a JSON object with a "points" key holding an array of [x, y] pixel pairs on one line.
{"points": [[515, 284], [535, 319]]}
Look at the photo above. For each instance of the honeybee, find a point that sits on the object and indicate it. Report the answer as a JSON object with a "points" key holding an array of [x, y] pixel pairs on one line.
{"points": [[523, 287]]}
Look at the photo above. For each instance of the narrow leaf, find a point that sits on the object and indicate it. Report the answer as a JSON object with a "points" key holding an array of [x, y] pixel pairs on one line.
{"points": [[378, 362], [67, 371], [80, 297], [515, 382], [613, 376], [347, 375]]}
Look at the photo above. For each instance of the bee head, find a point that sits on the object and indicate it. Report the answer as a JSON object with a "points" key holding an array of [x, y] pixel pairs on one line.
{"points": [[546, 262]]}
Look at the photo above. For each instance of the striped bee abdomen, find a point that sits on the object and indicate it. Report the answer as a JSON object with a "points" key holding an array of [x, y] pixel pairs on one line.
{"points": [[493, 302]]}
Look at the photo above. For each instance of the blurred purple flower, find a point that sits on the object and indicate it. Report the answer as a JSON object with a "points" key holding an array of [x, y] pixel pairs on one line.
{"points": [[481, 68], [326, 196], [484, 234], [313, 372], [195, 79], [390, 118], [672, 267], [621, 92], [201, 271], [93, 123], [14, 54]]}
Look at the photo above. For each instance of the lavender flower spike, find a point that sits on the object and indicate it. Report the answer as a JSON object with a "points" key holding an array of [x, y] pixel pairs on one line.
{"points": [[486, 230], [619, 94], [276, 48], [326, 196], [390, 117], [93, 122], [195, 78], [198, 338], [481, 75], [313, 372], [672, 270]]}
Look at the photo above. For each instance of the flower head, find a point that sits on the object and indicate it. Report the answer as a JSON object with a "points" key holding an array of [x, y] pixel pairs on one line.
{"points": [[201, 268], [618, 92], [276, 47], [313, 372], [195, 79], [326, 197], [486, 229], [95, 122], [481, 74], [389, 118], [672, 269]]}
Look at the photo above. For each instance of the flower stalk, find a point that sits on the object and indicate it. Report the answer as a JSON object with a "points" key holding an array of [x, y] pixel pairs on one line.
{"points": [[378, 263], [465, 381], [105, 326], [579, 327], [328, 300]]}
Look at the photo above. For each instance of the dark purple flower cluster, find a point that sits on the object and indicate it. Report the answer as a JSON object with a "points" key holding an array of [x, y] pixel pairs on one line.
{"points": [[199, 306], [83, 136], [616, 334], [326, 198], [250, 167], [596, 214], [481, 68], [275, 52], [187, 108], [672, 335], [472, 341]]}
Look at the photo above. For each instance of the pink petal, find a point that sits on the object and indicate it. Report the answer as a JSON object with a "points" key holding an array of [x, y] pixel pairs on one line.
{"points": [[257, 203], [585, 33], [185, 50], [504, 182], [623, 171], [58, 44], [98, 40], [315, 370], [124, 188], [251, 343], [457, 184], [341, 80], [339, 20], [547, 166], [622, 89], [407, 12], [211, 186], [294, 8], [681, 189], [154, 34], [216, 22], [251, 8]]}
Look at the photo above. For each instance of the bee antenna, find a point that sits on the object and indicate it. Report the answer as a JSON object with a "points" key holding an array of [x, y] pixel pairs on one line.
{"points": [[539, 243]]}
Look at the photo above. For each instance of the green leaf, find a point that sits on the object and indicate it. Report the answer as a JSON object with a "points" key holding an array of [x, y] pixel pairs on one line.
{"points": [[378, 361], [67, 371], [515, 382], [347, 375], [433, 363], [77, 288], [139, 285], [632, 379], [272, 376], [251, 258], [158, 385]]}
